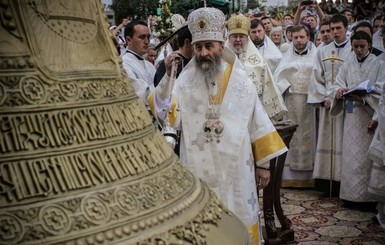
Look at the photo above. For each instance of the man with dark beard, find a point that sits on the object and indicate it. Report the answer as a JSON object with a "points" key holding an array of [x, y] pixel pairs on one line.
{"points": [[270, 52], [227, 138]]}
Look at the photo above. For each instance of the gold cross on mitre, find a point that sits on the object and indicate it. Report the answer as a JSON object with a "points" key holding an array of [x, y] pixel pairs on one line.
{"points": [[333, 60]]}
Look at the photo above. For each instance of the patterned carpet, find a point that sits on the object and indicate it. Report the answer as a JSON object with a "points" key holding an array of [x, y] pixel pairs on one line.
{"points": [[320, 220]]}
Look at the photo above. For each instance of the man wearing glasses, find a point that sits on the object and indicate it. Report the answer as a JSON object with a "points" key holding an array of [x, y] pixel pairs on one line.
{"points": [[256, 68]]}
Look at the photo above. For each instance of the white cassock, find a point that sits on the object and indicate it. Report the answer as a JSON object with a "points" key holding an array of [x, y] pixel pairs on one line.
{"points": [[378, 42], [319, 84], [356, 166], [270, 53], [292, 76], [141, 72], [376, 153], [248, 138], [261, 76], [321, 45]]}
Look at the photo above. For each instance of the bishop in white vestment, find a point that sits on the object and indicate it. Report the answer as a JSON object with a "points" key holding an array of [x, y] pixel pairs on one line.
{"points": [[226, 135], [226, 160]]}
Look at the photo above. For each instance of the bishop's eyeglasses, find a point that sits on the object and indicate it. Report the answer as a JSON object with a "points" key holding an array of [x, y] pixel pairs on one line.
{"points": [[241, 37]]}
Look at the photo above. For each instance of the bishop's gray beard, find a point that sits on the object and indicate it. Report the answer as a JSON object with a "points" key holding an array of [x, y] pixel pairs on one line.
{"points": [[210, 68]]}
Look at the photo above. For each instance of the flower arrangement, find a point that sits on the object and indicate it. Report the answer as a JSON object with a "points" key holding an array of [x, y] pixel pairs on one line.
{"points": [[163, 23], [165, 1]]}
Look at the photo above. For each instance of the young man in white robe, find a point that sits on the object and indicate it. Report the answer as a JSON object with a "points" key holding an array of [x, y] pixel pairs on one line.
{"points": [[292, 76], [138, 69], [367, 27], [357, 111], [270, 52], [325, 33], [227, 139], [376, 153], [256, 68], [327, 163], [379, 38]]}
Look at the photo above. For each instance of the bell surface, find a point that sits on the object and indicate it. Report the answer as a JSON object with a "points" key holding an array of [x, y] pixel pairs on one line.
{"points": [[80, 160]]}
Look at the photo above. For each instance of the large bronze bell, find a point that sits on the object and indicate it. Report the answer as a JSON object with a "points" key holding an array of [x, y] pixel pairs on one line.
{"points": [[80, 161]]}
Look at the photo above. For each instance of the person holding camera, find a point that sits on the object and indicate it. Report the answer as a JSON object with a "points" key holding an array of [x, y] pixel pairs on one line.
{"points": [[312, 14], [116, 31]]}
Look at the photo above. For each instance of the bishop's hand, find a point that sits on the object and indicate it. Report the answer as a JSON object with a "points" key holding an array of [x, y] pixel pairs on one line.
{"points": [[262, 177], [169, 61]]}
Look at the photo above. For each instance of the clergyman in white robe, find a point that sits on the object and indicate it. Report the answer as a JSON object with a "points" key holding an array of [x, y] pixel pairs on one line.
{"points": [[376, 153], [378, 40], [270, 53], [292, 76], [141, 72], [356, 166], [328, 151]]}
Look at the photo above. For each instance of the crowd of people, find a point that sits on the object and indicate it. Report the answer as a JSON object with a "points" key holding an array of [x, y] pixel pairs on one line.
{"points": [[222, 83]]}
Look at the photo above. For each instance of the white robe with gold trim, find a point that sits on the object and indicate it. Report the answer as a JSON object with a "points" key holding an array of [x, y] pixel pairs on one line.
{"points": [[259, 72], [249, 137]]}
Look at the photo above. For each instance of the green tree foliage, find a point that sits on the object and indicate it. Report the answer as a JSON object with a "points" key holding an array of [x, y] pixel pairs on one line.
{"points": [[253, 4], [183, 7], [138, 9]]}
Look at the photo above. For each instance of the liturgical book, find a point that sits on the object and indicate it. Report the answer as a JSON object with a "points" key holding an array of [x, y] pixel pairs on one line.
{"points": [[361, 89]]}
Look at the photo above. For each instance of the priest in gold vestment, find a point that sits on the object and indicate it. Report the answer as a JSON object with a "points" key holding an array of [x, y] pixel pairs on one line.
{"points": [[256, 67]]}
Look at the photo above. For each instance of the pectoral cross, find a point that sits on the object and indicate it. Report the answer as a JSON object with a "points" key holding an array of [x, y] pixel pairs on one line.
{"points": [[333, 60]]}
